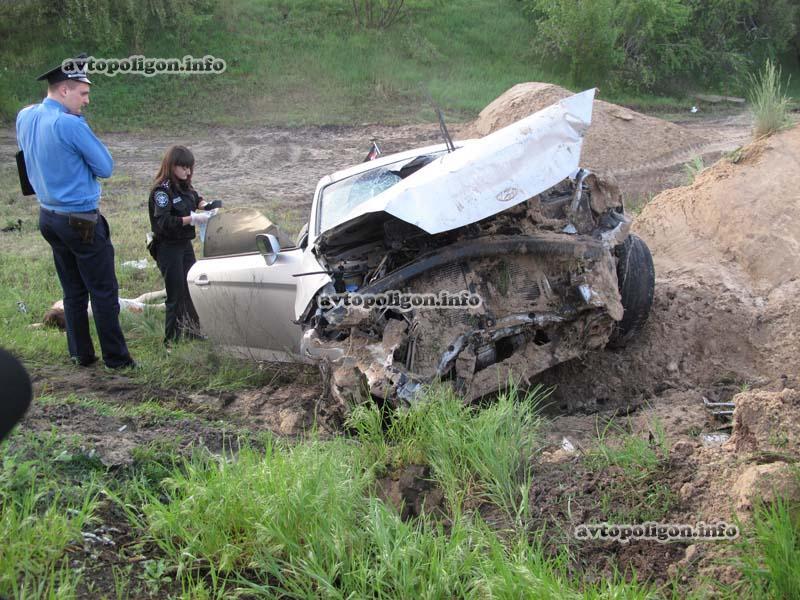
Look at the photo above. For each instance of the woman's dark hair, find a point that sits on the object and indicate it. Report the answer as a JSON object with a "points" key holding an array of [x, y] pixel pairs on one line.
{"points": [[180, 156]]}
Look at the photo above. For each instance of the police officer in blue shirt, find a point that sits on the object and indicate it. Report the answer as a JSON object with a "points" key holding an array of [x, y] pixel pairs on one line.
{"points": [[64, 158]]}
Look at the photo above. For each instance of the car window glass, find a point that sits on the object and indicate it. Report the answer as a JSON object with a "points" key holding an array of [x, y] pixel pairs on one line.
{"points": [[339, 199]]}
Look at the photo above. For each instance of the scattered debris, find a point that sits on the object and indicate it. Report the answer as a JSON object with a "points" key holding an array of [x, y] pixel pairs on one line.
{"points": [[714, 439], [719, 409], [97, 539], [136, 264]]}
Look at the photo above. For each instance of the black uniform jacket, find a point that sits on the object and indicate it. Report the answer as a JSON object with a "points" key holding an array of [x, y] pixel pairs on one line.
{"points": [[167, 205]]}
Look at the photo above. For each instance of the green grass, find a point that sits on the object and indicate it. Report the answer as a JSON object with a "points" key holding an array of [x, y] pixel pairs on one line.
{"points": [[636, 492], [28, 277], [48, 495], [301, 521], [632, 453], [303, 63], [149, 412], [483, 455], [769, 100], [770, 559]]}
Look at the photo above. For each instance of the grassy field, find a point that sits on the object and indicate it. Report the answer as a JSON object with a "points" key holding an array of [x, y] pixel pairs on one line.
{"points": [[303, 62], [286, 520], [29, 286]]}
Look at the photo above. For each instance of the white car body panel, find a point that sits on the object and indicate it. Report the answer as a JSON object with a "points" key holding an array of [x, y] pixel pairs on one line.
{"points": [[492, 174], [261, 297], [308, 285]]}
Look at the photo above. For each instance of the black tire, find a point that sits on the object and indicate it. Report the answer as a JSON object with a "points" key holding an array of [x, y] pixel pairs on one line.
{"points": [[636, 277]]}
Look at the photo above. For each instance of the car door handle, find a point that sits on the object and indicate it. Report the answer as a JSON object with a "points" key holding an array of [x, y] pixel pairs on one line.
{"points": [[201, 279]]}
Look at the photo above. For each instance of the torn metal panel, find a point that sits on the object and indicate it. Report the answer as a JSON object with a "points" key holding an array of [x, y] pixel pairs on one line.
{"points": [[311, 277], [489, 175], [546, 298]]}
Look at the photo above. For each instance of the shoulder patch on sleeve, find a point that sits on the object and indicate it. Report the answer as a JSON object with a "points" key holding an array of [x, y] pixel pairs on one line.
{"points": [[162, 199]]}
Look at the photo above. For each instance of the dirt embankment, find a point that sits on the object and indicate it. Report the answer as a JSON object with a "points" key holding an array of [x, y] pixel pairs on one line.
{"points": [[618, 139], [727, 256], [645, 154], [733, 237], [725, 327]]}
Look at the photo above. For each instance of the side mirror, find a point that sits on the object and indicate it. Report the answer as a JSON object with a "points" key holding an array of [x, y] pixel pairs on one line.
{"points": [[269, 247]]}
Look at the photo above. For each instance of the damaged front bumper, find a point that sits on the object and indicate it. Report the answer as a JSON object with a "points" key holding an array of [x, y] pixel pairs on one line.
{"points": [[545, 297]]}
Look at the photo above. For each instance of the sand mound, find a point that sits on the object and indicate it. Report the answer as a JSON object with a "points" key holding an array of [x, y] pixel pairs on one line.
{"points": [[726, 310], [741, 215], [619, 139], [733, 237]]}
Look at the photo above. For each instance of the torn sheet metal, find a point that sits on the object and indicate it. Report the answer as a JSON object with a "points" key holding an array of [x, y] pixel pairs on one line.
{"points": [[311, 278], [492, 174]]}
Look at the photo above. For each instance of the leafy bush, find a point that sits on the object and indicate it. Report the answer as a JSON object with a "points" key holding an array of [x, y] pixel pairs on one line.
{"points": [[583, 36], [648, 44]]}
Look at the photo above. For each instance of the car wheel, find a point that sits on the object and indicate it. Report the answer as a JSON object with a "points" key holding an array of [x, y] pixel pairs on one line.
{"points": [[636, 277]]}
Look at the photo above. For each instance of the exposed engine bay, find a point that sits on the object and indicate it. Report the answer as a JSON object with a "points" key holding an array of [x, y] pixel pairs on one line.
{"points": [[544, 271]]}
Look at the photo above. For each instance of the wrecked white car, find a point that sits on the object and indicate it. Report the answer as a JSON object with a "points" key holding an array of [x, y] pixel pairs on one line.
{"points": [[474, 263]]}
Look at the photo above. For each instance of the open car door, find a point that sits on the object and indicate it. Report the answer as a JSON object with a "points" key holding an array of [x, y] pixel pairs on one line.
{"points": [[247, 306], [244, 304]]}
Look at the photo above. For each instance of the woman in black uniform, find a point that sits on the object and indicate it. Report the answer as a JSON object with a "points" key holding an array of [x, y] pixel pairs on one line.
{"points": [[173, 208]]}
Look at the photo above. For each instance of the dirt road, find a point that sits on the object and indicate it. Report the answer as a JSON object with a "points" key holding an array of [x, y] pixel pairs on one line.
{"points": [[277, 169]]}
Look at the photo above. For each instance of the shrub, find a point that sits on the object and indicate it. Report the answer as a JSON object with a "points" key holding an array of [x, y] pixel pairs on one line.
{"points": [[655, 43]]}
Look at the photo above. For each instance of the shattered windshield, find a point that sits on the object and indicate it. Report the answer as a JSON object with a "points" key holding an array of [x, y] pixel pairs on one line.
{"points": [[339, 199]]}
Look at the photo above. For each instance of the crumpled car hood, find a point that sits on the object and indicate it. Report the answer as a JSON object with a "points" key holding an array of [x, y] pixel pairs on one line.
{"points": [[489, 175]]}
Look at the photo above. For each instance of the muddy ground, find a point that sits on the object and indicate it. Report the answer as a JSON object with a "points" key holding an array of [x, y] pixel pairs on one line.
{"points": [[692, 348]]}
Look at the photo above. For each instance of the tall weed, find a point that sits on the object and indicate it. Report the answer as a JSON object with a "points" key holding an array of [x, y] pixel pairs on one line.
{"points": [[479, 453], [769, 102], [771, 562]]}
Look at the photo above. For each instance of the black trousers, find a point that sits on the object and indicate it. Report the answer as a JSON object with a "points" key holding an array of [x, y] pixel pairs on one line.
{"points": [[174, 259], [86, 270]]}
